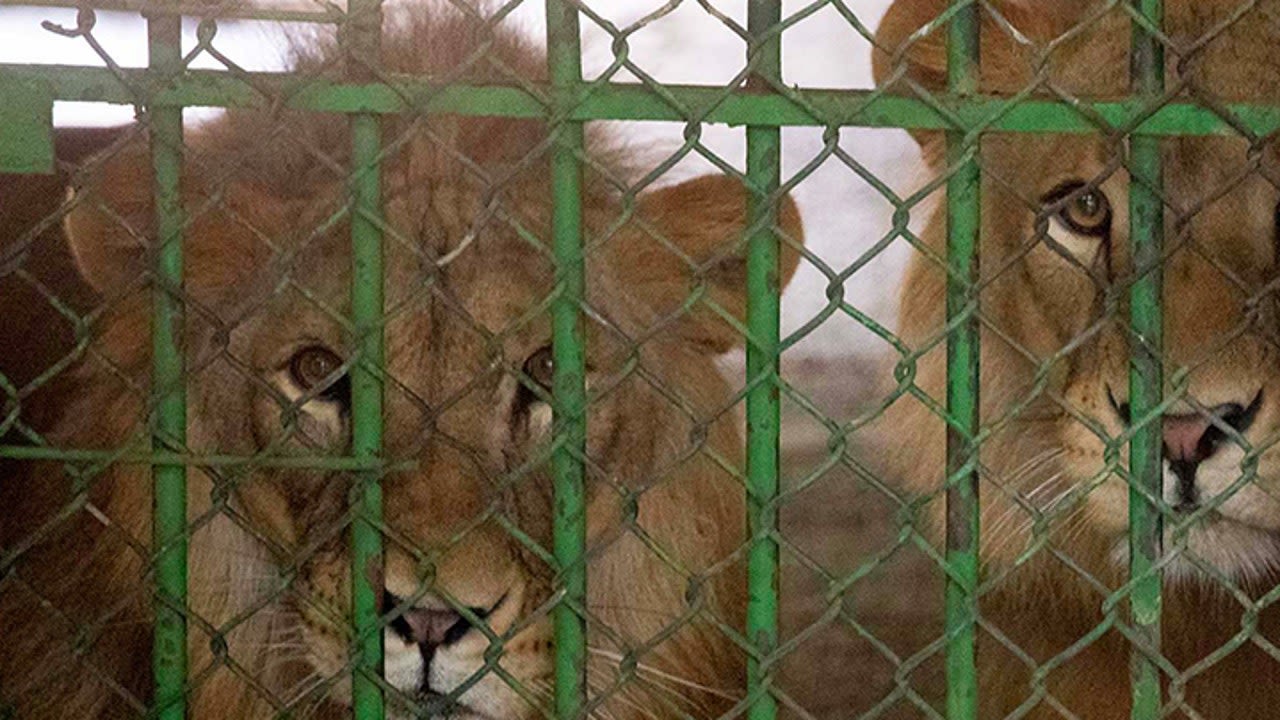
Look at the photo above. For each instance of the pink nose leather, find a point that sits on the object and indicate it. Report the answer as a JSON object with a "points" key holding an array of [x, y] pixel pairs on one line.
{"points": [[1182, 434], [431, 627]]}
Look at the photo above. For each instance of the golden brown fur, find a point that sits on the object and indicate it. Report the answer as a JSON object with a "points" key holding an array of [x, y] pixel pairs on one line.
{"points": [[468, 276], [1054, 345]]}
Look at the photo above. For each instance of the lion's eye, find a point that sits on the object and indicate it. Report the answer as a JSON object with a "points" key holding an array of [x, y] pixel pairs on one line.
{"points": [[1080, 207], [313, 367], [541, 367]]}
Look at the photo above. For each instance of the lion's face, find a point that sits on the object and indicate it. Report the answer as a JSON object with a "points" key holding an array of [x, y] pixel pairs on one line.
{"points": [[467, 580], [467, 407], [1222, 398], [1058, 265]]}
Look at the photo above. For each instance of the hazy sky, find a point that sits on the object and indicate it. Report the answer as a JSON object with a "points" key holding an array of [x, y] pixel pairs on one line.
{"points": [[843, 215]]}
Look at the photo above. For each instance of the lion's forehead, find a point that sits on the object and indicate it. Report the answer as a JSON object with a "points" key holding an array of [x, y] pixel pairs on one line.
{"points": [[436, 316], [1213, 46]]}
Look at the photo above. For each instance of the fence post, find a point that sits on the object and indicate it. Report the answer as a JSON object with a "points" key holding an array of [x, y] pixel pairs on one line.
{"points": [[1146, 228], [168, 381], [764, 169], [564, 61], [362, 38], [963, 353]]}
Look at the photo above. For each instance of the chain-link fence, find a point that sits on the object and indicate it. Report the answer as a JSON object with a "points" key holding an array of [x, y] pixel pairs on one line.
{"points": [[396, 389]]}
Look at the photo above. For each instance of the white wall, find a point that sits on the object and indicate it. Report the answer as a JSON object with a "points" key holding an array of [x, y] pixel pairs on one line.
{"points": [[843, 215]]}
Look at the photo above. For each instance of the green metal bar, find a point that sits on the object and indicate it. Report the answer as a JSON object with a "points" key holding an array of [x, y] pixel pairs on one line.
{"points": [[362, 38], [764, 172], [26, 127], [619, 101], [1146, 229], [564, 61], [169, 519], [963, 223]]}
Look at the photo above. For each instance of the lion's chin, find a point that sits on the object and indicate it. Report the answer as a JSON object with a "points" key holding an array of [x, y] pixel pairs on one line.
{"points": [[453, 712], [433, 705], [1213, 549]]}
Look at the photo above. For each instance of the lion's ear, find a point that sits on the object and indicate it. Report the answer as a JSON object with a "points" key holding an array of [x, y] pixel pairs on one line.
{"points": [[906, 47], [690, 237], [109, 226], [911, 43]]}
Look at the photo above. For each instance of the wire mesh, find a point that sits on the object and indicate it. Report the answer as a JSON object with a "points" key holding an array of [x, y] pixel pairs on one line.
{"points": [[485, 458]]}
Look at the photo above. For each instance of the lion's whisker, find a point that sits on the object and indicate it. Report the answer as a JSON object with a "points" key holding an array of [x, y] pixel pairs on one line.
{"points": [[1077, 522], [1033, 463], [1015, 520], [1024, 471], [657, 673], [664, 614], [619, 695]]}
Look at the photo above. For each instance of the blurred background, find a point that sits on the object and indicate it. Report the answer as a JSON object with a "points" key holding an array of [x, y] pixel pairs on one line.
{"points": [[878, 633]]}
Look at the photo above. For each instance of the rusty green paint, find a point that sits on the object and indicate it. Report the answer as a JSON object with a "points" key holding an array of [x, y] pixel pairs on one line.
{"points": [[26, 126]]}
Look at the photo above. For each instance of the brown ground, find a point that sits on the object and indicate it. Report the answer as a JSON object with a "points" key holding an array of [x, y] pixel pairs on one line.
{"points": [[871, 648]]}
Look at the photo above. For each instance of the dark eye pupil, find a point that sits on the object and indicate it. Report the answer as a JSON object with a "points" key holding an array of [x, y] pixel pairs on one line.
{"points": [[313, 366], [540, 367], [1089, 204], [1080, 207]]}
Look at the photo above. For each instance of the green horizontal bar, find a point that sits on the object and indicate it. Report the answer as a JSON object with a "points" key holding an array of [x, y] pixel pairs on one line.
{"points": [[28, 452], [619, 101], [26, 127]]}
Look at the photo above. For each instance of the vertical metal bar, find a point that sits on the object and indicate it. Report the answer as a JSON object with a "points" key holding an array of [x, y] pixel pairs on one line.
{"points": [[1146, 227], [963, 223], [362, 36], [169, 519], [764, 169], [564, 59]]}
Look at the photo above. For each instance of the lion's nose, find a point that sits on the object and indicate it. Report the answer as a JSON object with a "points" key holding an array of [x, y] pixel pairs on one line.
{"points": [[1189, 438], [435, 627], [1193, 438], [428, 628]]}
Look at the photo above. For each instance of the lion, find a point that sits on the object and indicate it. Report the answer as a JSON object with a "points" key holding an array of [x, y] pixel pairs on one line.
{"points": [[467, 578], [1056, 266]]}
